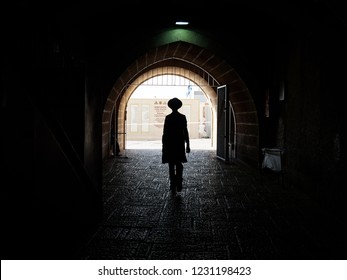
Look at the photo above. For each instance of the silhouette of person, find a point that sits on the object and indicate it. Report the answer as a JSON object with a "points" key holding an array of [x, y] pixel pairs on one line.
{"points": [[175, 136]]}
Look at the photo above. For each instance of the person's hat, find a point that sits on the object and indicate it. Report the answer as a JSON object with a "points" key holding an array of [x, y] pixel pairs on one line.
{"points": [[174, 103]]}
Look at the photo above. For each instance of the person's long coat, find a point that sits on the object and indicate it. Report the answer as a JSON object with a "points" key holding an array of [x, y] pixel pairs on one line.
{"points": [[175, 135]]}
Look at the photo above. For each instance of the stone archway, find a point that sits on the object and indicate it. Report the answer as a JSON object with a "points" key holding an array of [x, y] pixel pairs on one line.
{"points": [[204, 65], [195, 78]]}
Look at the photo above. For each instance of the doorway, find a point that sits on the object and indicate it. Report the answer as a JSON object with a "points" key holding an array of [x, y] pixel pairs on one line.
{"points": [[147, 108]]}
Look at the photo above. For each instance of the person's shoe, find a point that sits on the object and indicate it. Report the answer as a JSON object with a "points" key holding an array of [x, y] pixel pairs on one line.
{"points": [[173, 186]]}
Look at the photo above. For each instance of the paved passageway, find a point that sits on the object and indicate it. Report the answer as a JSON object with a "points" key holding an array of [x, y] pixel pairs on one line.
{"points": [[223, 212]]}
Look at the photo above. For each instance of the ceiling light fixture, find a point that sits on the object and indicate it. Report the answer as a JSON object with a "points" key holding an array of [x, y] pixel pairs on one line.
{"points": [[181, 22]]}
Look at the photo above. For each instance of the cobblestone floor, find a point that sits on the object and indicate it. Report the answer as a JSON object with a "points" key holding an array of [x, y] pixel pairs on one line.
{"points": [[223, 212]]}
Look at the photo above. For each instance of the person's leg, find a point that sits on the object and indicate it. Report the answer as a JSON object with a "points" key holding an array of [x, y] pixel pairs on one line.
{"points": [[179, 175], [172, 176]]}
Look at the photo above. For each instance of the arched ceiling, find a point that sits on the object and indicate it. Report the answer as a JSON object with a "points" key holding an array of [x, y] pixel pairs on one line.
{"points": [[94, 30], [87, 27]]}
